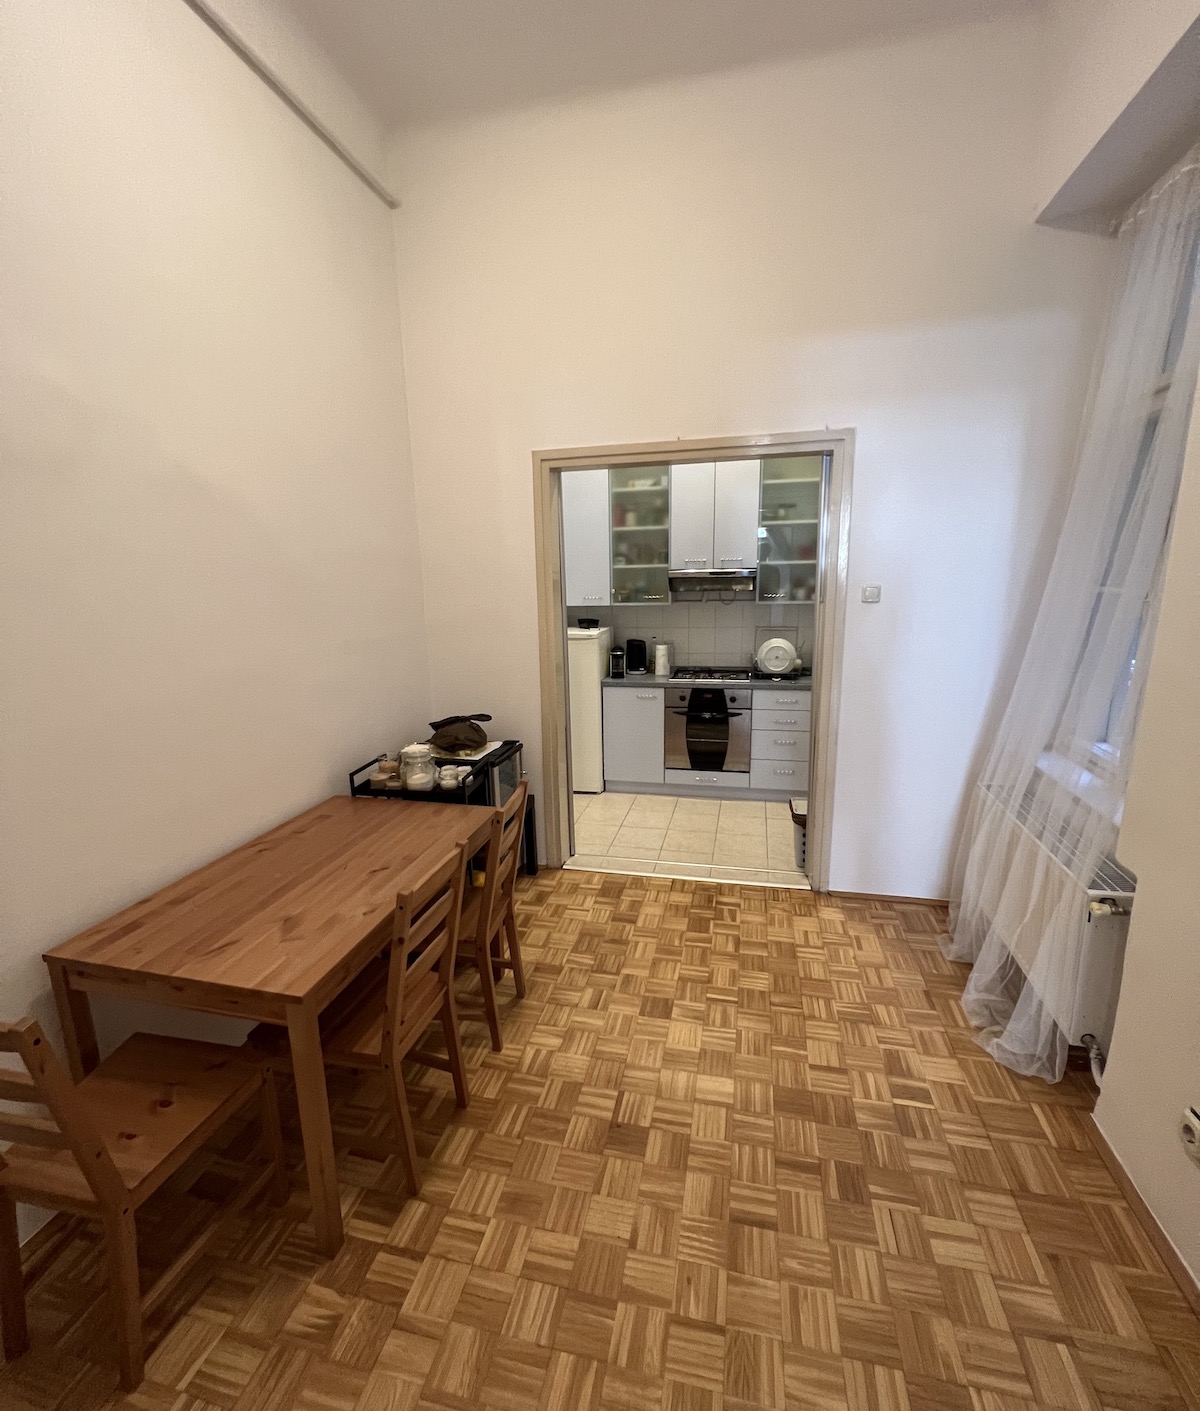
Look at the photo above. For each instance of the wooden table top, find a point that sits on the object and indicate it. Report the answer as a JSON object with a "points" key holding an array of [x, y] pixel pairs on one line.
{"points": [[276, 915]]}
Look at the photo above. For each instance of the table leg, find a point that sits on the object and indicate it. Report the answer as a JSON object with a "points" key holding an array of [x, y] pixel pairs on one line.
{"points": [[312, 1098], [75, 1020]]}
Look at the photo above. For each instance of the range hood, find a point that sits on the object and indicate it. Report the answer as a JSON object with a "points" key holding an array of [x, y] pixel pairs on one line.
{"points": [[725, 581]]}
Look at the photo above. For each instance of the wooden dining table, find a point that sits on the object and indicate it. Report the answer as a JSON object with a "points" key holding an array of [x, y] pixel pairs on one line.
{"points": [[269, 932]]}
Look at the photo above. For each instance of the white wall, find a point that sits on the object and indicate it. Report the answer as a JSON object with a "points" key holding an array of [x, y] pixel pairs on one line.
{"points": [[1098, 56], [271, 32], [1153, 1071], [845, 242], [209, 575]]}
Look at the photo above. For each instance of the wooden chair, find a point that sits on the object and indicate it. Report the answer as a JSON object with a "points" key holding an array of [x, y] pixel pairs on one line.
{"points": [[108, 1144], [488, 920], [379, 1019]]}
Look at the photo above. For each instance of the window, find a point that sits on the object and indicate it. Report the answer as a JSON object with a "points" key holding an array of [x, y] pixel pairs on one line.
{"points": [[1102, 750]]}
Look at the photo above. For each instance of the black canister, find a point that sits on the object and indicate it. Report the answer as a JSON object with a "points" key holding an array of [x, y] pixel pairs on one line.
{"points": [[616, 662]]}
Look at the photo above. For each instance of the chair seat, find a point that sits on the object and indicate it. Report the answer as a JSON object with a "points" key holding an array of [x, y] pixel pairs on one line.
{"points": [[273, 1040], [358, 1038], [154, 1101]]}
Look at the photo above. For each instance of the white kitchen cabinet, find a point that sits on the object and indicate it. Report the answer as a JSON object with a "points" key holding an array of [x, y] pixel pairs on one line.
{"points": [[633, 735], [793, 719], [586, 551], [693, 489], [779, 745], [735, 514], [785, 777], [799, 701], [704, 779], [714, 515]]}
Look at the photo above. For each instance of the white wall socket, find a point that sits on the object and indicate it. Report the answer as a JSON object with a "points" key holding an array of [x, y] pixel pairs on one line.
{"points": [[1189, 1132]]}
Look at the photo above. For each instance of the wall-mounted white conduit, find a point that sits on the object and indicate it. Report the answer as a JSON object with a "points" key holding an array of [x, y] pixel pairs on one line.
{"points": [[220, 26]]}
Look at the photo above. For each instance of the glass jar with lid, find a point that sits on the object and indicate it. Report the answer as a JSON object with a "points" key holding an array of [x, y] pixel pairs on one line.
{"points": [[419, 772]]}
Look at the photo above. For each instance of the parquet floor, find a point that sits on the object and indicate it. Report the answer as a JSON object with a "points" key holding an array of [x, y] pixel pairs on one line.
{"points": [[739, 1152]]}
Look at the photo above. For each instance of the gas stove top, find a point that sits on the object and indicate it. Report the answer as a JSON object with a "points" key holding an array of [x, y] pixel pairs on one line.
{"points": [[708, 673], [726, 673]]}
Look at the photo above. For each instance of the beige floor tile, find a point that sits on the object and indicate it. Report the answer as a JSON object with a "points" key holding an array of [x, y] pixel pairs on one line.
{"points": [[742, 828], [606, 813], [699, 851], [594, 837], [705, 809], [781, 852], [650, 811], [744, 808], [612, 802], [739, 852], [679, 835], [690, 837], [637, 842]]}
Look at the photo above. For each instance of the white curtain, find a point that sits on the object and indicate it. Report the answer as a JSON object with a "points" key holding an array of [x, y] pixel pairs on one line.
{"points": [[1048, 805]]}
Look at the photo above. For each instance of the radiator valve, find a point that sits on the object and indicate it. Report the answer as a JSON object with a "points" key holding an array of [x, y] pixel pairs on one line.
{"points": [[1107, 906]]}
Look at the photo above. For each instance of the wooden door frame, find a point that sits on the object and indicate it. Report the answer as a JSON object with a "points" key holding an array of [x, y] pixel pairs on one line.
{"points": [[830, 611]]}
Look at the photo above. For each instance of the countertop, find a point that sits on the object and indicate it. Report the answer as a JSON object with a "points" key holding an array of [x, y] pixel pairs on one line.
{"points": [[648, 682]]}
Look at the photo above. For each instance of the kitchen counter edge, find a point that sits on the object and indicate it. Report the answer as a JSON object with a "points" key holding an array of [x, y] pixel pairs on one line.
{"points": [[648, 681]]}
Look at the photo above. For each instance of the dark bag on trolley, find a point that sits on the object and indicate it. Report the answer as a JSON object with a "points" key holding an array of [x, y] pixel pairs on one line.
{"points": [[458, 734]]}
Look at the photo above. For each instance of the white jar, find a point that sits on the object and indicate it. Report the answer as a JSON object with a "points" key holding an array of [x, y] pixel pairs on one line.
{"points": [[419, 772]]}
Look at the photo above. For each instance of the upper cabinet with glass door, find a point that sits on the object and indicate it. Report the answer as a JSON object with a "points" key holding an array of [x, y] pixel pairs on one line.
{"points": [[789, 528], [640, 496]]}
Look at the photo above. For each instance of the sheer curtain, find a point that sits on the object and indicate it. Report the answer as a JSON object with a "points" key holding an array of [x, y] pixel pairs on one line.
{"points": [[1048, 805]]}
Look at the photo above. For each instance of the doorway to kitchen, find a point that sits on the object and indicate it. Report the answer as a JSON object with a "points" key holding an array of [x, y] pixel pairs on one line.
{"points": [[691, 606]]}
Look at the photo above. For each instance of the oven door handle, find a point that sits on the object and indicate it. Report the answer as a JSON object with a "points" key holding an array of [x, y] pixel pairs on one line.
{"points": [[708, 714]]}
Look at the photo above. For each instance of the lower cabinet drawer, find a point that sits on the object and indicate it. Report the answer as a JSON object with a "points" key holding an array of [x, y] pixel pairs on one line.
{"points": [[783, 700], [779, 744], [794, 719], [774, 774], [706, 779]]}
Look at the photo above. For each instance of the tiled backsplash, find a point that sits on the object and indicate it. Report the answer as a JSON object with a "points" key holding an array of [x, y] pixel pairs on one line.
{"points": [[711, 634]]}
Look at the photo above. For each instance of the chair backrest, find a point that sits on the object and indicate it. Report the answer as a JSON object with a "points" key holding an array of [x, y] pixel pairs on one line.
{"points": [[46, 1083], [503, 856], [424, 937]]}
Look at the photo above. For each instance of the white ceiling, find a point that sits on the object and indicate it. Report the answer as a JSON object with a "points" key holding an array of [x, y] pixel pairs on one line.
{"points": [[413, 61]]}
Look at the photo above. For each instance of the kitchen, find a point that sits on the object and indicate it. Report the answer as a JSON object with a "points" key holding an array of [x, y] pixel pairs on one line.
{"points": [[692, 592]]}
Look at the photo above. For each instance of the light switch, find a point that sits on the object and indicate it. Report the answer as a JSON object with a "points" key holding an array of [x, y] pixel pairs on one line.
{"points": [[871, 592]]}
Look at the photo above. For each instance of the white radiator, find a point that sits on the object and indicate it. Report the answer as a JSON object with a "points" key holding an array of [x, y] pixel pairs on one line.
{"points": [[1094, 1006], [1080, 996]]}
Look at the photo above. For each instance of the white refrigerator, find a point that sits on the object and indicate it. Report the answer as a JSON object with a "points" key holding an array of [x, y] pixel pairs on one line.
{"points": [[587, 666]]}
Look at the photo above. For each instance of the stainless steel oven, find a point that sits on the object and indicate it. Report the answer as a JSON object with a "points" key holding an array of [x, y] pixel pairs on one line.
{"points": [[708, 728]]}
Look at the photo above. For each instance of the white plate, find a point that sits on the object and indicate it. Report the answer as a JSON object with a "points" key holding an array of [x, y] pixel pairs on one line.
{"points": [[776, 656]]}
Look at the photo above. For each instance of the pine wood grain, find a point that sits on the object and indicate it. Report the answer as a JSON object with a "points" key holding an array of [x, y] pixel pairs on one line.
{"points": [[739, 1151], [272, 931]]}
